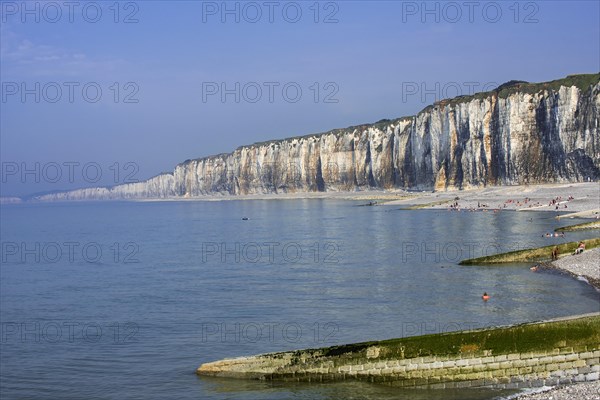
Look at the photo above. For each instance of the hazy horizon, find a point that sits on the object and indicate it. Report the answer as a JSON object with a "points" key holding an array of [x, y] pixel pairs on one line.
{"points": [[129, 92]]}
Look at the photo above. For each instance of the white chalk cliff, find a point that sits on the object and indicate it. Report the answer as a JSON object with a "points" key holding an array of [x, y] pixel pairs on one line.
{"points": [[519, 133]]}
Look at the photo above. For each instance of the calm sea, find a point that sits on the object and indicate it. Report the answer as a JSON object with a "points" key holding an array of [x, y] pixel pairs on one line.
{"points": [[125, 300]]}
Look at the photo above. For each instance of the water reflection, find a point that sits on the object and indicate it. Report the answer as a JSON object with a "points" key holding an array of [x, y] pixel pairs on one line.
{"points": [[242, 389]]}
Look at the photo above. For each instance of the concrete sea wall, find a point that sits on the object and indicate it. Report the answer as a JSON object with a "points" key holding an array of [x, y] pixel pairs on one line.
{"points": [[536, 354]]}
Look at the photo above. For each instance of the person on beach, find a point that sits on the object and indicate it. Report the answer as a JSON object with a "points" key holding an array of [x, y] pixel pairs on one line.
{"points": [[580, 248], [555, 253]]}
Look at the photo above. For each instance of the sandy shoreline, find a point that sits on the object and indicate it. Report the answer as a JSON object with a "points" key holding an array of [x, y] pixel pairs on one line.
{"points": [[585, 202]]}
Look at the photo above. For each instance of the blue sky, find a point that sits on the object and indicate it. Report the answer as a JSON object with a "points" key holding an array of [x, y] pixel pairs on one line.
{"points": [[354, 62]]}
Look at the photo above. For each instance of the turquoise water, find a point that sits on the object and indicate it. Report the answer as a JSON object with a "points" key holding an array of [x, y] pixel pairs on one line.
{"points": [[126, 300]]}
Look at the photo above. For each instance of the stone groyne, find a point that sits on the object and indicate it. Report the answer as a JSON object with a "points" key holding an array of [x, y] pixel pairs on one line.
{"points": [[532, 255], [535, 354]]}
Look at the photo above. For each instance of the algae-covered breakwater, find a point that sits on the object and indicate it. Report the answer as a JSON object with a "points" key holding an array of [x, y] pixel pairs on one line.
{"points": [[529, 255], [580, 227], [546, 353]]}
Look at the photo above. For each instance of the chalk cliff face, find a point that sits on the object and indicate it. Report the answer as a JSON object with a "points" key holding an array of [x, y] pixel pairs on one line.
{"points": [[517, 134]]}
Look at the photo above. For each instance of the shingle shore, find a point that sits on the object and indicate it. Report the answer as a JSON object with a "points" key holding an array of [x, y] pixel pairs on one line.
{"points": [[578, 391], [586, 264]]}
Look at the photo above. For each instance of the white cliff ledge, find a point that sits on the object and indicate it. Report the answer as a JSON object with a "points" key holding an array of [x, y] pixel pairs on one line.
{"points": [[519, 133]]}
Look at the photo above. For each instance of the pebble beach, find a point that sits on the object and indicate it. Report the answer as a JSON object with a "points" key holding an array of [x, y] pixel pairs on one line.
{"points": [[586, 265], [578, 391], [576, 200]]}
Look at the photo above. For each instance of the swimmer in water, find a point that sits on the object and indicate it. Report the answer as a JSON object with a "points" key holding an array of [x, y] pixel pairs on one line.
{"points": [[485, 296]]}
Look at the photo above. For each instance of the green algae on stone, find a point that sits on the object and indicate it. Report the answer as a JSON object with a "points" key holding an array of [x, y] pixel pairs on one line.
{"points": [[530, 255], [580, 227]]}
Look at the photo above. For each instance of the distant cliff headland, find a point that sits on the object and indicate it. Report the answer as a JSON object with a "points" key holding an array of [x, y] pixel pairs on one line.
{"points": [[519, 133]]}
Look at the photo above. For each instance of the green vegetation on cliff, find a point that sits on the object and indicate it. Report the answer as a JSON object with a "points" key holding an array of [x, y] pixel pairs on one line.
{"points": [[381, 125], [582, 81]]}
